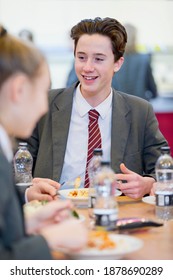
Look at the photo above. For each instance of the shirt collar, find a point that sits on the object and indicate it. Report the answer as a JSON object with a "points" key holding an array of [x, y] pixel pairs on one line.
{"points": [[5, 144], [83, 107]]}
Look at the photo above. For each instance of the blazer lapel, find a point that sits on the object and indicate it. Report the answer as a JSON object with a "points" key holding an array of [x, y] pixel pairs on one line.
{"points": [[121, 123], [61, 115]]}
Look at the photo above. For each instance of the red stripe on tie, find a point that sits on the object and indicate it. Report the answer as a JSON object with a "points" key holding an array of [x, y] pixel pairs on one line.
{"points": [[94, 140]]}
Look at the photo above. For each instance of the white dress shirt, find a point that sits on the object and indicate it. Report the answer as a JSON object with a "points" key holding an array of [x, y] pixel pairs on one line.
{"points": [[77, 143]]}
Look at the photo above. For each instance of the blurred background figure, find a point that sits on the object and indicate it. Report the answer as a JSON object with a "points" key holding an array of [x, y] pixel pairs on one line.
{"points": [[27, 35], [72, 77], [135, 76]]}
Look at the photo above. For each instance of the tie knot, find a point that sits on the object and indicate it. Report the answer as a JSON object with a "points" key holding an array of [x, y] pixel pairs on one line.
{"points": [[93, 115]]}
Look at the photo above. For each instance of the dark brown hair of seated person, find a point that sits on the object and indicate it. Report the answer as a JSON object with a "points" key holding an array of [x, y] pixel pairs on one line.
{"points": [[109, 27]]}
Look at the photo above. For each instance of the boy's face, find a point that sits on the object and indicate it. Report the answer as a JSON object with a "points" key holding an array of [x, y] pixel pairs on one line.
{"points": [[94, 64]]}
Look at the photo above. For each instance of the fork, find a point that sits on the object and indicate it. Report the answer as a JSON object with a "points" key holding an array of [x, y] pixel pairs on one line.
{"points": [[72, 181]]}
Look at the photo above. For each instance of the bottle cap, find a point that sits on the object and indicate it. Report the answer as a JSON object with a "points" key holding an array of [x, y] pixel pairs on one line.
{"points": [[98, 151], [165, 150], [23, 143]]}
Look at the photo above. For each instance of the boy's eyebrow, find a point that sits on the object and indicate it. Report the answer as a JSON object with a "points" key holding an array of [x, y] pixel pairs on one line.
{"points": [[99, 54], [80, 52]]}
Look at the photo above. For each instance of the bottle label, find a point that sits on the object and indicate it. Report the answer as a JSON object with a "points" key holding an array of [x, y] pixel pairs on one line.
{"points": [[164, 175], [164, 199], [105, 217]]}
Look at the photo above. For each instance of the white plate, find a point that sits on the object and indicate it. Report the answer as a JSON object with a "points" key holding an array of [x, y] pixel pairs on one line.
{"points": [[125, 244], [149, 199], [79, 201], [65, 194]]}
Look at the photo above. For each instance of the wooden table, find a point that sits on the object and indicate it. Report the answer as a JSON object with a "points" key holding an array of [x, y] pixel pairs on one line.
{"points": [[158, 241]]}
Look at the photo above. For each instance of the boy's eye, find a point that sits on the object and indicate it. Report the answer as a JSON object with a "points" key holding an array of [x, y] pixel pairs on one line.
{"points": [[99, 59], [81, 57]]}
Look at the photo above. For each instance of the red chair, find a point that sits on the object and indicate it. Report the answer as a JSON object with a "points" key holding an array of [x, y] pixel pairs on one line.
{"points": [[165, 120]]}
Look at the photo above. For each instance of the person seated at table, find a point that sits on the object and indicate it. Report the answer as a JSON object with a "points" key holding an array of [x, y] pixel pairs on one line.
{"points": [[24, 83], [130, 137]]}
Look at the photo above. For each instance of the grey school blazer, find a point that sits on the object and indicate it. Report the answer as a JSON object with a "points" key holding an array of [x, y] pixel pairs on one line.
{"points": [[135, 137], [14, 243]]}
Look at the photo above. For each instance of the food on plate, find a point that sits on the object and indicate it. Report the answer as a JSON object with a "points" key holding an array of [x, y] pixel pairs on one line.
{"points": [[33, 205], [75, 214], [100, 240], [77, 182], [78, 193]]}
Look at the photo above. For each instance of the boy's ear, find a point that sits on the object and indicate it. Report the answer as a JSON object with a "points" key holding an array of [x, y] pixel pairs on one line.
{"points": [[118, 64]]}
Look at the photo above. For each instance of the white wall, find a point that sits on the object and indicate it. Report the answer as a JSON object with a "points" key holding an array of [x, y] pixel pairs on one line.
{"points": [[51, 21]]}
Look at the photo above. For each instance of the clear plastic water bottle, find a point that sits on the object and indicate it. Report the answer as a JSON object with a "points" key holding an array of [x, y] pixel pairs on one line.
{"points": [[93, 169], [106, 207], [164, 185], [23, 163]]}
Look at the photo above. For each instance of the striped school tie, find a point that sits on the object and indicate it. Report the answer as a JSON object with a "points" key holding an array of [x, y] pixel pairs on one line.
{"points": [[94, 140]]}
